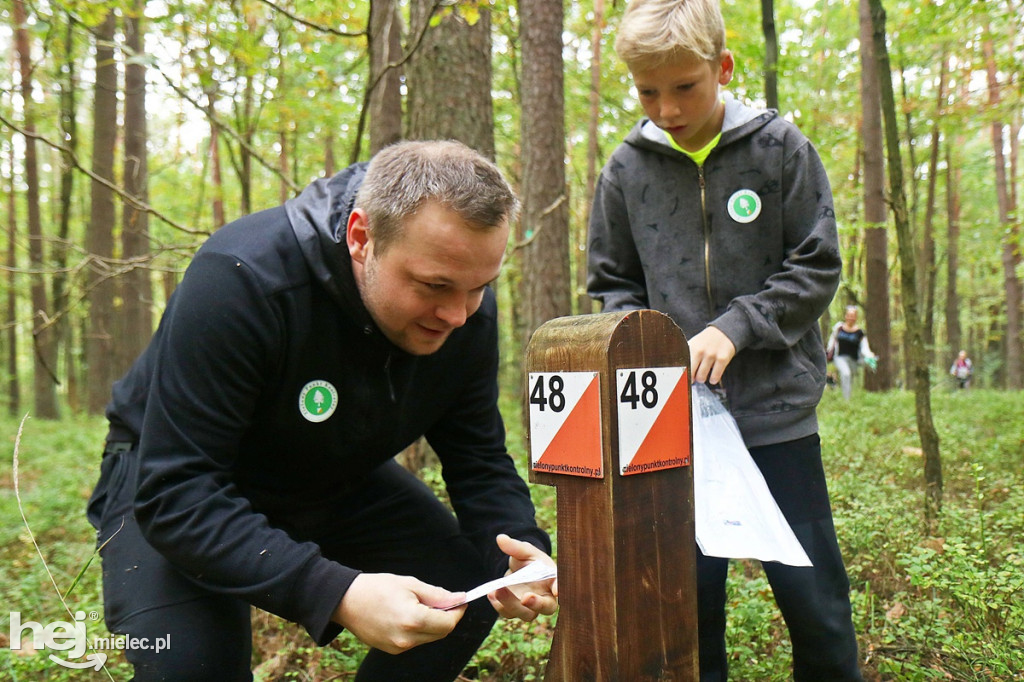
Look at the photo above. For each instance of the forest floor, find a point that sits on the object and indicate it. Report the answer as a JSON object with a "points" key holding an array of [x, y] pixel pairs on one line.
{"points": [[945, 605]]}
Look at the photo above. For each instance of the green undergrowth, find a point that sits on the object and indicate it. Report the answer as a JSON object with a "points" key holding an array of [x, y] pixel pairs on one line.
{"points": [[939, 606]]}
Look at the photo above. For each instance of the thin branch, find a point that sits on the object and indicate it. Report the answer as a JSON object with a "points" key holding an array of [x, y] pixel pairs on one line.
{"points": [[365, 108], [543, 214], [105, 269], [128, 198], [99, 656], [215, 120], [305, 22]]}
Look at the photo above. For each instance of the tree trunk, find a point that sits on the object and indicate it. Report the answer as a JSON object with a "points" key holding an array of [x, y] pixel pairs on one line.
{"points": [[771, 54], [449, 97], [385, 44], [876, 240], [248, 134], [136, 288], [216, 171], [11, 317], [1011, 240], [908, 278], [584, 304], [59, 251], [449, 79], [927, 228], [329, 155], [283, 191], [99, 344], [43, 334], [1015, 126], [545, 216], [953, 332]]}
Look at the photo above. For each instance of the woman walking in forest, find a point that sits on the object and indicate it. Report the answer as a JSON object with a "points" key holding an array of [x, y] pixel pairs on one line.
{"points": [[848, 347]]}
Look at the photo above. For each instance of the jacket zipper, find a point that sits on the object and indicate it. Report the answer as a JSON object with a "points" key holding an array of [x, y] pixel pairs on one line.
{"points": [[707, 241]]}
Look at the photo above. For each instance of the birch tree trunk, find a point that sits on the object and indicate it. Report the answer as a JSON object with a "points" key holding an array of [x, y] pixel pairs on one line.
{"points": [[928, 270], [908, 278]]}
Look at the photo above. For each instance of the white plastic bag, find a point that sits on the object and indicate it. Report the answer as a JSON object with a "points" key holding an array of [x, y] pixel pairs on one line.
{"points": [[735, 513]]}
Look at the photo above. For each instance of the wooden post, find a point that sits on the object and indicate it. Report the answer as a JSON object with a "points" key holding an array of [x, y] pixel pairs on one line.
{"points": [[626, 547]]}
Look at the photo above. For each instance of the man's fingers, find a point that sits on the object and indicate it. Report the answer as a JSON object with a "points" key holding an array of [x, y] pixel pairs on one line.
{"points": [[394, 613], [517, 549], [528, 600], [508, 605]]}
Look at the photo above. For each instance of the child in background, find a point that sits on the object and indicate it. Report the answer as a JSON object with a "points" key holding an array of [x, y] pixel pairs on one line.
{"points": [[721, 216], [962, 370]]}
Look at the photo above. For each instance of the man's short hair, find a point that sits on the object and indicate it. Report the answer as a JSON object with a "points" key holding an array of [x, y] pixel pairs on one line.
{"points": [[405, 175], [653, 33]]}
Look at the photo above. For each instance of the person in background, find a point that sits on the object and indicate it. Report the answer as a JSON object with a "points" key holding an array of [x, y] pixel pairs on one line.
{"points": [[721, 216], [249, 460], [962, 370], [848, 348]]}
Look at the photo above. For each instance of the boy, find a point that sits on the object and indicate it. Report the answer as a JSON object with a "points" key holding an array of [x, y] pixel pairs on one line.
{"points": [[721, 217]]}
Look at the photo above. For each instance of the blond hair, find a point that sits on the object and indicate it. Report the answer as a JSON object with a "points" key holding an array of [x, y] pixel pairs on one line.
{"points": [[655, 32]]}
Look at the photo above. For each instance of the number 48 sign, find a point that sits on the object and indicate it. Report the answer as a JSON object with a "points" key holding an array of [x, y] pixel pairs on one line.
{"points": [[565, 423], [653, 409], [654, 419]]}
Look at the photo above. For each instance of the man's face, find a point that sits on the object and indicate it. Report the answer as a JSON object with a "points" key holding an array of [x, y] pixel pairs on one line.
{"points": [[681, 98], [430, 279]]}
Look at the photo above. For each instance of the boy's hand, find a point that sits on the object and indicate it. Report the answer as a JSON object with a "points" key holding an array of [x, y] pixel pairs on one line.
{"points": [[529, 600], [711, 351]]}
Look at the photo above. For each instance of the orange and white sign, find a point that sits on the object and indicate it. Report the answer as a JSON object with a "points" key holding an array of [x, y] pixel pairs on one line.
{"points": [[654, 419], [565, 423]]}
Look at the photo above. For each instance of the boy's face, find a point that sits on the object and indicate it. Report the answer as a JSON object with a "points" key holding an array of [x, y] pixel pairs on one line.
{"points": [[681, 97]]}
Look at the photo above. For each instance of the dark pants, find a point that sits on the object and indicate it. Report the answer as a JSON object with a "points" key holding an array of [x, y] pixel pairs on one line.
{"points": [[395, 524], [814, 601]]}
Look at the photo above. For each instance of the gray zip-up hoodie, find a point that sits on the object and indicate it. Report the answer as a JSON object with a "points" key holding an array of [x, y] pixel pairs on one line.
{"points": [[746, 243]]}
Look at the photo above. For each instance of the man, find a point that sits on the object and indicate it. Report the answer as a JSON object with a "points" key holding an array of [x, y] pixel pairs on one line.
{"points": [[249, 459]]}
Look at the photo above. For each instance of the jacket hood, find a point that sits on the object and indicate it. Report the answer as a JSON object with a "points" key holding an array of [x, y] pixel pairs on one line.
{"points": [[319, 218], [740, 120]]}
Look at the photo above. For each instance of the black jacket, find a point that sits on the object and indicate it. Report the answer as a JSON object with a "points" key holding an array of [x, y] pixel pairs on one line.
{"points": [[233, 478]]}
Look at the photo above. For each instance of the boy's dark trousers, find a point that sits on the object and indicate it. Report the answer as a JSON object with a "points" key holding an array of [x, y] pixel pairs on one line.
{"points": [[393, 524], [814, 601]]}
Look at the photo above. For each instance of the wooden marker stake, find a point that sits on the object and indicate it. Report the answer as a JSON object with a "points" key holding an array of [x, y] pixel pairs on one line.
{"points": [[609, 403]]}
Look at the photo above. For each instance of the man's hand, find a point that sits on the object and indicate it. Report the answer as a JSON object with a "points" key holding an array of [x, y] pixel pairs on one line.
{"points": [[395, 613], [529, 600], [711, 351]]}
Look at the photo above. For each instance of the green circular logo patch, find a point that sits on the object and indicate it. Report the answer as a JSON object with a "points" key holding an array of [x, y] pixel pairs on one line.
{"points": [[744, 206], [318, 400]]}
